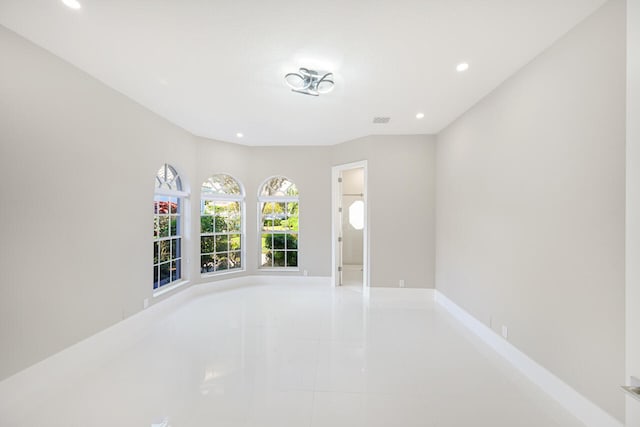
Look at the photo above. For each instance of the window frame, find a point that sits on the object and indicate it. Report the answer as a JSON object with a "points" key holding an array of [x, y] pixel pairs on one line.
{"points": [[241, 199], [276, 199], [182, 198]]}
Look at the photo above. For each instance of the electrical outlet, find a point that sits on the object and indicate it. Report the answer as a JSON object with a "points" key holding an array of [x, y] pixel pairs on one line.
{"points": [[505, 332], [145, 303], [305, 273], [401, 283]]}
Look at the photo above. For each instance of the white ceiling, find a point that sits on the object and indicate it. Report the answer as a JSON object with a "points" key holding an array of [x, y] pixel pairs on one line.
{"points": [[216, 67]]}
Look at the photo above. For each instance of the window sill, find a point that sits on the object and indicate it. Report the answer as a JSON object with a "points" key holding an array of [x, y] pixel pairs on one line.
{"points": [[279, 269], [167, 289], [221, 273]]}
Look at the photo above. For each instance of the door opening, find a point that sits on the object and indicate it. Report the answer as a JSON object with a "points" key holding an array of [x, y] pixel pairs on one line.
{"points": [[350, 231]]}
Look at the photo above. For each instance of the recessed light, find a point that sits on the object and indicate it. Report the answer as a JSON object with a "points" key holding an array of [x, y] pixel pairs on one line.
{"points": [[463, 66], [72, 4], [239, 135], [420, 116]]}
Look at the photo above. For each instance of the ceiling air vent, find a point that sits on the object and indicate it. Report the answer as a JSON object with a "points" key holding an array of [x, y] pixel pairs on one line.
{"points": [[381, 120]]}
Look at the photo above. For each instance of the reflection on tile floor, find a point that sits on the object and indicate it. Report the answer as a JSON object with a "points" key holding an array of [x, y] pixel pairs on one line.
{"points": [[297, 355]]}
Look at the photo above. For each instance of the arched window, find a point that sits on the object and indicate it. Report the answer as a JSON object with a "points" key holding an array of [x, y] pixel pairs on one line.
{"points": [[221, 224], [279, 216], [167, 227]]}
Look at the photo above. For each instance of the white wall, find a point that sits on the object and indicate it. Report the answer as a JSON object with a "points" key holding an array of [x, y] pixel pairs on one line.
{"points": [[633, 204], [401, 197], [77, 164], [530, 208]]}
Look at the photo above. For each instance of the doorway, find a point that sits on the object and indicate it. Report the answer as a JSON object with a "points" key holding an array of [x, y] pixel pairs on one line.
{"points": [[350, 226]]}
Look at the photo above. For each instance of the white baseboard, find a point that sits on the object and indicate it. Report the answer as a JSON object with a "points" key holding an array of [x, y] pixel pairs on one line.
{"points": [[582, 408]]}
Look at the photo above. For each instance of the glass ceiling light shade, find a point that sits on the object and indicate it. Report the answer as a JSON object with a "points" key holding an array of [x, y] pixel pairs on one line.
{"points": [[310, 82]]}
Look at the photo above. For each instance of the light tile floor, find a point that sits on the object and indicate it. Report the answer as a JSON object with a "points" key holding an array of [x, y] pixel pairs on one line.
{"points": [[297, 356]]}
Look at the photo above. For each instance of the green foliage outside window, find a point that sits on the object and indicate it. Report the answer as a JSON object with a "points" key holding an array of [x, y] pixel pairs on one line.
{"points": [[220, 240]]}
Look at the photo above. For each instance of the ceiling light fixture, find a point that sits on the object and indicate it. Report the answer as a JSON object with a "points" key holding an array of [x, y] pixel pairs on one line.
{"points": [[239, 135], [310, 82], [463, 66], [72, 4], [420, 116]]}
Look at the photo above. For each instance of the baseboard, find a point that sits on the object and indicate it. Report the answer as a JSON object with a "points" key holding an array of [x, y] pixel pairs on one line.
{"points": [[277, 280], [427, 294], [582, 408]]}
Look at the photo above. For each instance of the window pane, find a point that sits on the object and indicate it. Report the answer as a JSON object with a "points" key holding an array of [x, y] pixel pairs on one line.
{"points": [[267, 224], [156, 227], [279, 186], [155, 277], [292, 241], [292, 258], [161, 204], [176, 249], [220, 184], [221, 262], [279, 216], [165, 276], [284, 225], [234, 260], [267, 241], [268, 209], [292, 208], [167, 178], [267, 258], [164, 225], [278, 241], [278, 258], [207, 244], [174, 205], [234, 220], [165, 250], [206, 224], [222, 243], [269, 219], [232, 208], [175, 270], [155, 252], [234, 242], [292, 213], [228, 212], [220, 223], [208, 207], [234, 223], [175, 225], [207, 264]]}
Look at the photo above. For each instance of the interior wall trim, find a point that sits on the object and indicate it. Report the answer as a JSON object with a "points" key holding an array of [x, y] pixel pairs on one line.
{"points": [[579, 406]]}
